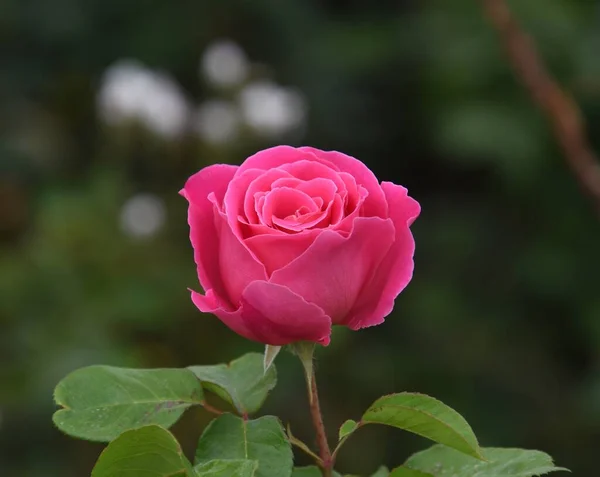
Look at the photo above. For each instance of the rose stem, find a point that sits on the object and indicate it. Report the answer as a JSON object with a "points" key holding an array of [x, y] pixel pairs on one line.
{"points": [[317, 418], [210, 408]]}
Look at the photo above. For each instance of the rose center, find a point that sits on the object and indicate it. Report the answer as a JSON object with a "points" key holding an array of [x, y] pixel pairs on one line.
{"points": [[291, 204], [289, 209], [298, 214]]}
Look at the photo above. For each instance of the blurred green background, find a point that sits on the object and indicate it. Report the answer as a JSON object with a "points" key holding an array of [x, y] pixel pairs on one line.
{"points": [[107, 106]]}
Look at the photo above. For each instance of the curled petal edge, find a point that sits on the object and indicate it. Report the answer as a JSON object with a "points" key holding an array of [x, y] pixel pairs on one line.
{"points": [[270, 314]]}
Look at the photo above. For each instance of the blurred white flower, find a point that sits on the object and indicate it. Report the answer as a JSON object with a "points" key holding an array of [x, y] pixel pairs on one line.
{"points": [[130, 91], [224, 63], [142, 215], [272, 110], [217, 121]]}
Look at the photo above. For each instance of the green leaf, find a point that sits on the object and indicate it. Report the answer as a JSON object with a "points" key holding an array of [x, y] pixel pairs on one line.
{"points": [[101, 402], [408, 472], [425, 416], [382, 472], [310, 471], [441, 461], [243, 382], [347, 428], [227, 468], [149, 450], [263, 440]]}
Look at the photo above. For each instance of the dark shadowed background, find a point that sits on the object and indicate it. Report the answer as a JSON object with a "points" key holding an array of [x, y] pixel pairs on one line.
{"points": [[107, 106]]}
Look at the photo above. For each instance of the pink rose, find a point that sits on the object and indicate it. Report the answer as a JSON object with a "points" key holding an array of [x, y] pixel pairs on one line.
{"points": [[296, 240]]}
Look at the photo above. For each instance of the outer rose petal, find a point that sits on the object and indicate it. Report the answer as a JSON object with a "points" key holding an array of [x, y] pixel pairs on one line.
{"points": [[377, 300], [271, 314], [278, 316], [201, 218], [237, 265], [375, 203], [333, 271], [233, 319], [280, 155]]}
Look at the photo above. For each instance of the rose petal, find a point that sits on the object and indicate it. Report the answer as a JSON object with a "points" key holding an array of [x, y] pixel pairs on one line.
{"points": [[278, 316], [237, 263], [233, 319], [321, 190], [276, 251], [337, 211], [334, 269], [308, 170], [260, 186], [283, 203], [354, 197], [279, 155], [201, 218], [292, 182], [234, 201], [271, 314], [375, 204], [395, 271], [240, 197], [296, 225], [250, 230], [324, 193], [345, 223]]}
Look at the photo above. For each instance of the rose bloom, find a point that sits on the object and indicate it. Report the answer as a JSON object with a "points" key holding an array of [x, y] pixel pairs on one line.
{"points": [[296, 240]]}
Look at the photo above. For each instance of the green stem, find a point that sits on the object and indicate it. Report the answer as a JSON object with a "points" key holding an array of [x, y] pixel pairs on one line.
{"points": [[317, 418], [305, 351], [210, 408]]}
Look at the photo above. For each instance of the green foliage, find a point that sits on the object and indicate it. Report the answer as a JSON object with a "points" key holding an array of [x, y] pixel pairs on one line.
{"points": [[347, 428], [106, 403], [441, 461], [101, 402], [149, 450], [263, 440], [244, 382], [227, 468], [381, 472], [425, 416], [310, 471], [408, 472]]}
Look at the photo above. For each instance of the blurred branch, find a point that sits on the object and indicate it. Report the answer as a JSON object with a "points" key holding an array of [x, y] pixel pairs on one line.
{"points": [[561, 110]]}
